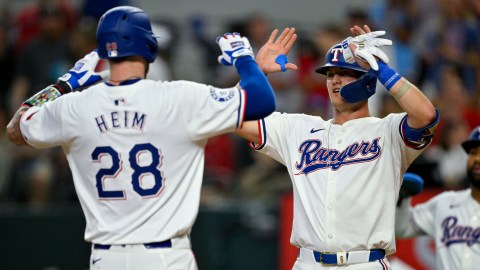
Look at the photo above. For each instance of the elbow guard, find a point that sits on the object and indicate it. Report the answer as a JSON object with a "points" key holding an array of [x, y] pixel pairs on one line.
{"points": [[419, 138], [260, 96]]}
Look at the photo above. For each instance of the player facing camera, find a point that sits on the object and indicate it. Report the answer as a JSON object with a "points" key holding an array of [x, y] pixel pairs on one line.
{"points": [[355, 91]]}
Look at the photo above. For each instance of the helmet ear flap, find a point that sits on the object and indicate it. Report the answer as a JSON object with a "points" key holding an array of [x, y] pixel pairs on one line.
{"points": [[126, 31]]}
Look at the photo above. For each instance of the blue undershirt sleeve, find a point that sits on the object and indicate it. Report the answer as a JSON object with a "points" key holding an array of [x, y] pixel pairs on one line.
{"points": [[260, 100]]}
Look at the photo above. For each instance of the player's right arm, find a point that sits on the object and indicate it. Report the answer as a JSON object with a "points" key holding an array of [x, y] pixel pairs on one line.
{"points": [[271, 58], [81, 75], [422, 117]]}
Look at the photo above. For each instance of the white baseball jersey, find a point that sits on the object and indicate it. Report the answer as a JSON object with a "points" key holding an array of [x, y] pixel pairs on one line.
{"points": [[452, 218], [136, 152], [346, 178]]}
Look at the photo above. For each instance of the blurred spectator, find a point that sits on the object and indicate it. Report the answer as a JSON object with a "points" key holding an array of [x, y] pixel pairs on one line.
{"points": [[311, 53], [452, 39], [209, 47], [45, 57], [83, 38], [7, 64], [5, 159], [162, 68], [95, 8], [356, 16], [458, 116], [454, 101], [220, 169], [450, 157], [31, 18], [264, 181]]}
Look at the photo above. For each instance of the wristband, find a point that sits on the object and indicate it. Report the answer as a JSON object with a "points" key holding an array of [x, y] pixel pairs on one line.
{"points": [[386, 75], [63, 86], [50, 93]]}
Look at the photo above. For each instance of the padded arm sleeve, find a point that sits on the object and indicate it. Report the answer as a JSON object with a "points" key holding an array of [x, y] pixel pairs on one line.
{"points": [[260, 100], [419, 138]]}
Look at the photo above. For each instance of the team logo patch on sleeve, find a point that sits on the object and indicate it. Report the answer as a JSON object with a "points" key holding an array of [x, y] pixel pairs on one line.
{"points": [[222, 95]]}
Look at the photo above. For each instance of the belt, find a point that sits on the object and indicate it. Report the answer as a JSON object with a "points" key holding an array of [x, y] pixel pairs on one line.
{"points": [[163, 244], [343, 258]]}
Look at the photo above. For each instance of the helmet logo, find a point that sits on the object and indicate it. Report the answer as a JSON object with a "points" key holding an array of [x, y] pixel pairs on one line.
{"points": [[111, 49], [335, 53]]}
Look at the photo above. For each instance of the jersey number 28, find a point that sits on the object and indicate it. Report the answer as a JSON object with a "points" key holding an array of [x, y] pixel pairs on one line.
{"points": [[138, 170]]}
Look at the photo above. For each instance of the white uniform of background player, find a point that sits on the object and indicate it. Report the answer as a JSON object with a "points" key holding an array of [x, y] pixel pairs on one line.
{"points": [[136, 146], [452, 218], [346, 171]]}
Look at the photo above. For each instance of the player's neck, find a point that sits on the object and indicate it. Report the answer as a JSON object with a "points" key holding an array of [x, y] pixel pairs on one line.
{"points": [[126, 70], [341, 117], [476, 194]]}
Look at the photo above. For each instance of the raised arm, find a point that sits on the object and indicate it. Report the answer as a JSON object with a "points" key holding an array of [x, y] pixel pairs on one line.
{"points": [[271, 58], [81, 75], [422, 117]]}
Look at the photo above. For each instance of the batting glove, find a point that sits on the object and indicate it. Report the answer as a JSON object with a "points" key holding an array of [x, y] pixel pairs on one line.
{"points": [[367, 48], [83, 73], [233, 46]]}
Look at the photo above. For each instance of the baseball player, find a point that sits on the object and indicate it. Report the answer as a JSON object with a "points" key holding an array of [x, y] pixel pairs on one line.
{"points": [[452, 218], [135, 146], [347, 171]]}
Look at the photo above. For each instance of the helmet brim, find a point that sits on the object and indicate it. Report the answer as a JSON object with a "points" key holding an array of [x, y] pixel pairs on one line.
{"points": [[323, 69], [469, 145]]}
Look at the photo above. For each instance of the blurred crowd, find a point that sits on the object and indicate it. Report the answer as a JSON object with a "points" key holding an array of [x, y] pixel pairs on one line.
{"points": [[439, 52]]}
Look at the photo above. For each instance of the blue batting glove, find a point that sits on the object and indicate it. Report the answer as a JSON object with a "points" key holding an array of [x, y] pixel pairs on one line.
{"points": [[233, 46], [412, 185], [83, 73]]}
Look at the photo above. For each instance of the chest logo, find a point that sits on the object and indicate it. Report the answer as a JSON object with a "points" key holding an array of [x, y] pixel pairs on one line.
{"points": [[313, 156], [316, 130], [454, 233]]}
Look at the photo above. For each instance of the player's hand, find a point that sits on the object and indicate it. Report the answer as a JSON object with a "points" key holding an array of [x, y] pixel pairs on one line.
{"points": [[272, 57], [363, 48], [233, 45], [83, 73]]}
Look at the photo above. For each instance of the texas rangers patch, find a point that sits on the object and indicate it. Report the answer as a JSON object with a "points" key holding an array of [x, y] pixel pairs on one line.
{"points": [[222, 94]]}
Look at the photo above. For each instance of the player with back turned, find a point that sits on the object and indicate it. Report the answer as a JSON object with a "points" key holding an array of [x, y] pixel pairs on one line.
{"points": [[452, 218], [135, 146], [347, 171]]}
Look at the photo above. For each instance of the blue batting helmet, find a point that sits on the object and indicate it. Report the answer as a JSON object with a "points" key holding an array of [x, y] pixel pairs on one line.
{"points": [[473, 140], [126, 31], [334, 58]]}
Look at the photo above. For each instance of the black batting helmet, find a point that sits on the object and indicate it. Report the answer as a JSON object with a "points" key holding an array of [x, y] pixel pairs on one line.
{"points": [[473, 140]]}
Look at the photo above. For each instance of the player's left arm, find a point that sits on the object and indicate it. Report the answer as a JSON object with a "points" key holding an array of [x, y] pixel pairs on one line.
{"points": [[422, 117], [412, 185], [81, 75]]}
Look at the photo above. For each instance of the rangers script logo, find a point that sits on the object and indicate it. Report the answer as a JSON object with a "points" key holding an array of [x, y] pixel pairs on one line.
{"points": [[315, 157], [454, 233]]}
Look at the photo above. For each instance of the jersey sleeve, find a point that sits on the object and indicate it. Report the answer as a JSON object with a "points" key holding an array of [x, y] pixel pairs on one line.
{"points": [[423, 215], [274, 132], [394, 129], [41, 127], [209, 111], [404, 224]]}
